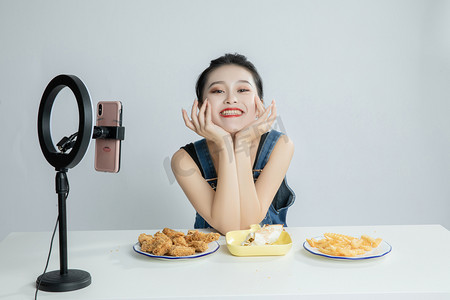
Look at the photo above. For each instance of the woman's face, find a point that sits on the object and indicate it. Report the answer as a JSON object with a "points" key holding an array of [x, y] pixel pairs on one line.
{"points": [[231, 93]]}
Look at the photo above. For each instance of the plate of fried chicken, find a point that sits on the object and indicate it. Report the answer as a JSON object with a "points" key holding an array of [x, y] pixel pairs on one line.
{"points": [[172, 244]]}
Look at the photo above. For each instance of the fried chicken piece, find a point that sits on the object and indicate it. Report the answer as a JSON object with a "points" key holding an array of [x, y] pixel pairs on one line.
{"points": [[195, 235], [160, 234], [147, 246], [162, 244], [181, 251], [145, 237], [199, 246], [172, 233], [179, 241], [211, 237]]}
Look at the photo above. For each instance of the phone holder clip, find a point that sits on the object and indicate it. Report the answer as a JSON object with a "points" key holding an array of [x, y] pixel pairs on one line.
{"points": [[109, 132]]}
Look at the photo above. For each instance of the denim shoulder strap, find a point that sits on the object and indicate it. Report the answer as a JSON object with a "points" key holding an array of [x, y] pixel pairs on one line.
{"points": [[266, 149], [206, 163], [205, 160]]}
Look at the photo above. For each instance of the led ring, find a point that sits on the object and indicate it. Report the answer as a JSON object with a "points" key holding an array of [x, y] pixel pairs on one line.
{"points": [[64, 161]]}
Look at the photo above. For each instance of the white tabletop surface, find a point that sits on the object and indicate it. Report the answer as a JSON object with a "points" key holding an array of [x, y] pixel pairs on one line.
{"points": [[418, 267]]}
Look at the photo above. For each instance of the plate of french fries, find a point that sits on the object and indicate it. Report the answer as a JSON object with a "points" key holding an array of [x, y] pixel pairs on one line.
{"points": [[340, 246]]}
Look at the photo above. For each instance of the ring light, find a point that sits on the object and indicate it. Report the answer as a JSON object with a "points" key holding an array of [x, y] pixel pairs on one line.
{"points": [[59, 160], [64, 279]]}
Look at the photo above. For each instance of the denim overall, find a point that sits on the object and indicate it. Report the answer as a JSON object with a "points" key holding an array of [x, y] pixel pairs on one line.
{"points": [[283, 199]]}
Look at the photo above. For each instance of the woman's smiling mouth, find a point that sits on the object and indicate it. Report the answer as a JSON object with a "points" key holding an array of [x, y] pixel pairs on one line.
{"points": [[231, 112]]}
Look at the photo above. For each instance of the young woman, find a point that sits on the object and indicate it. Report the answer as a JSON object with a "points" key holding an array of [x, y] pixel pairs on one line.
{"points": [[235, 175]]}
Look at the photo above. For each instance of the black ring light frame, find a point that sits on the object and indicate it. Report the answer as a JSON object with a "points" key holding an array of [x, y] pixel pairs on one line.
{"points": [[58, 160], [64, 280]]}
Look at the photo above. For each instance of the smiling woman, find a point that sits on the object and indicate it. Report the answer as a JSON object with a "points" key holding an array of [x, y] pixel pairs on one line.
{"points": [[235, 175]]}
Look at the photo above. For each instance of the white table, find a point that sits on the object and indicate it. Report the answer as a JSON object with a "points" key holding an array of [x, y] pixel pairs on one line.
{"points": [[417, 268]]}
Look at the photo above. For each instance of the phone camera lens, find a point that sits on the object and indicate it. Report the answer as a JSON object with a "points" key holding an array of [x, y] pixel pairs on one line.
{"points": [[100, 109]]}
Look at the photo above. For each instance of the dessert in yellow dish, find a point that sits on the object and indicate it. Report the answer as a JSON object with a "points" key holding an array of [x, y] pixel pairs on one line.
{"points": [[257, 241]]}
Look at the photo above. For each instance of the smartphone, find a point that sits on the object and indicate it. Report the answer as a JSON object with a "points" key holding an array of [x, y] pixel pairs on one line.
{"points": [[107, 151]]}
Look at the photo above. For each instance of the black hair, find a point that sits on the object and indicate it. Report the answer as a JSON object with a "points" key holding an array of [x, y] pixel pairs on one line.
{"points": [[228, 59]]}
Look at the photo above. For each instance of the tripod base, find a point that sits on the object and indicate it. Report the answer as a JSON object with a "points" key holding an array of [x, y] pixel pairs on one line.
{"points": [[55, 282]]}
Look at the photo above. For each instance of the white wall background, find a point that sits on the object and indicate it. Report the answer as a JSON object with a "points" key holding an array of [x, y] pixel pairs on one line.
{"points": [[362, 88]]}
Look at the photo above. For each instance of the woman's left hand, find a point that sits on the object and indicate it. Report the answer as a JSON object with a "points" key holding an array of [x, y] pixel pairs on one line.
{"points": [[266, 117]]}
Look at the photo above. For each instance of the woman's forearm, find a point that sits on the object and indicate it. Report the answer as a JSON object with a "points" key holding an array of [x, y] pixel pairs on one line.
{"points": [[250, 207], [225, 209]]}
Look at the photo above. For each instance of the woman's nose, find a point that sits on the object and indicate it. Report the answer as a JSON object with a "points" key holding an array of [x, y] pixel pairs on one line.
{"points": [[231, 98]]}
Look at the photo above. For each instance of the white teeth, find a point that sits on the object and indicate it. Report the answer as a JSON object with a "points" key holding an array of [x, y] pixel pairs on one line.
{"points": [[231, 112]]}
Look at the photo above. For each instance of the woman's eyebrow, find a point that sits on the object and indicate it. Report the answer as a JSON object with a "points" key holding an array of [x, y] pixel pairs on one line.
{"points": [[245, 81], [215, 82], [222, 82]]}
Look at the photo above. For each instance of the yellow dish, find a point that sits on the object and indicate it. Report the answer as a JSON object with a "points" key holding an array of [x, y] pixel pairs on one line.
{"points": [[235, 239]]}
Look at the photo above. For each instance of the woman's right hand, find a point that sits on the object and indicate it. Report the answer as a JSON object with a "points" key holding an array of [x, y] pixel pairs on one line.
{"points": [[202, 124]]}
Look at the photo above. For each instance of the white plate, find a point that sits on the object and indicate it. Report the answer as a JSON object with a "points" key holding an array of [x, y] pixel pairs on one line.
{"points": [[382, 249], [212, 247]]}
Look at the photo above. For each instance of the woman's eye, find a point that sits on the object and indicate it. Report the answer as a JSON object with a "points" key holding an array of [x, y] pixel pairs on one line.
{"points": [[243, 90], [217, 92]]}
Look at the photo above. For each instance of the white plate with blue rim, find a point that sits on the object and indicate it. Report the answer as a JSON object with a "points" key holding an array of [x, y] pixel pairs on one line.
{"points": [[212, 247], [382, 249]]}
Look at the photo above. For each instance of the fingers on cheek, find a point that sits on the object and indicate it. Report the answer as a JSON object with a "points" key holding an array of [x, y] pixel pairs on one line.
{"points": [[260, 107], [274, 112]]}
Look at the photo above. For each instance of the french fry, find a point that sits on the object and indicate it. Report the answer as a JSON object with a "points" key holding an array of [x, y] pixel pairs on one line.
{"points": [[376, 243], [312, 242]]}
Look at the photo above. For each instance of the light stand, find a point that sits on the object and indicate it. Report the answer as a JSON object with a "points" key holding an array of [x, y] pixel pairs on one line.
{"points": [[65, 279]]}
